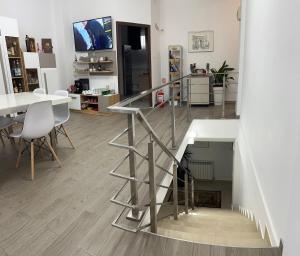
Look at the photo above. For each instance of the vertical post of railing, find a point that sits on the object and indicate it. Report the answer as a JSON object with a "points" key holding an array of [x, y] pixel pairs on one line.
{"points": [[186, 193], [152, 187], [173, 116], [192, 193], [223, 96], [188, 101], [175, 191], [135, 214]]}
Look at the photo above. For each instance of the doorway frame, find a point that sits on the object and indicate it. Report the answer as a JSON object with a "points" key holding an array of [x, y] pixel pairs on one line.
{"points": [[119, 24]]}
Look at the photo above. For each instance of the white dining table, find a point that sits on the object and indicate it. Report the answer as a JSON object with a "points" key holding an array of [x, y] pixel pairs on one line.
{"points": [[15, 102]]}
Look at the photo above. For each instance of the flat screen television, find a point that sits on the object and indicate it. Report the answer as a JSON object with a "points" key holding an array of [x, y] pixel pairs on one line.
{"points": [[93, 35]]}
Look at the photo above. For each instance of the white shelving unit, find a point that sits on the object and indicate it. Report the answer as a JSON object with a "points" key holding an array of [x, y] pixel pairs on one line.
{"points": [[175, 69]]}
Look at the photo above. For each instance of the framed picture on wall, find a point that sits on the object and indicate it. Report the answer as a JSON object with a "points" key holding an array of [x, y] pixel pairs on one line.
{"points": [[201, 41], [47, 45]]}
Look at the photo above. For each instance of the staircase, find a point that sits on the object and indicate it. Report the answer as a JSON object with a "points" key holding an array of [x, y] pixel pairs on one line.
{"points": [[215, 227], [150, 170]]}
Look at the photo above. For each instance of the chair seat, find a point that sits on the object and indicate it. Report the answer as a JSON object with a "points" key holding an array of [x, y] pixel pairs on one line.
{"points": [[20, 118], [16, 135], [5, 122], [59, 121]]}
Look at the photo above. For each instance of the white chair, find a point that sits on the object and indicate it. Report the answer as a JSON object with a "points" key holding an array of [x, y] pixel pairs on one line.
{"points": [[20, 118], [61, 116], [5, 123], [39, 121], [39, 91]]}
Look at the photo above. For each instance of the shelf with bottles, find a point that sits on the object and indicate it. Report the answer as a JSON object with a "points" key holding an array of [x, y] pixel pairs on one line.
{"points": [[18, 86], [16, 65], [13, 47], [15, 68], [32, 79]]}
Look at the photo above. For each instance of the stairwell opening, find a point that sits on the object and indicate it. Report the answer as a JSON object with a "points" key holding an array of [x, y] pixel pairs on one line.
{"points": [[211, 165]]}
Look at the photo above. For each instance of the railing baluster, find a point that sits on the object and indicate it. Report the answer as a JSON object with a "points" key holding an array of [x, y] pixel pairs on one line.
{"points": [[192, 193], [173, 116], [188, 102], [186, 193], [135, 214], [223, 96], [152, 187], [175, 191]]}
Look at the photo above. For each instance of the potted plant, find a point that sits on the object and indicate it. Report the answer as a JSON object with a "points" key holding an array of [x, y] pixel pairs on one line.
{"points": [[220, 76]]}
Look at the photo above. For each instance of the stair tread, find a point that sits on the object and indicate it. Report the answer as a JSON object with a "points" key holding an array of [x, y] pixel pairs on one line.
{"points": [[214, 226]]}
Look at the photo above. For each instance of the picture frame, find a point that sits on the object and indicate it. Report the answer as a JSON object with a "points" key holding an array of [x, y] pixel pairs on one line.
{"points": [[201, 41], [30, 45], [47, 45]]}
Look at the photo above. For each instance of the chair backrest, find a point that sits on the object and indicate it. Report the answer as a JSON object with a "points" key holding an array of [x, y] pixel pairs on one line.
{"points": [[39, 120], [61, 111], [39, 91]]}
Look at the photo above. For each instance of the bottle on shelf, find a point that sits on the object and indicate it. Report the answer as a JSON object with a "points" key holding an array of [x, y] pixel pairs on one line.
{"points": [[13, 69], [20, 88], [16, 90], [18, 68]]}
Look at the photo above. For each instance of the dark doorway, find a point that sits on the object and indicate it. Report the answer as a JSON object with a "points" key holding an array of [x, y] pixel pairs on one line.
{"points": [[134, 60]]}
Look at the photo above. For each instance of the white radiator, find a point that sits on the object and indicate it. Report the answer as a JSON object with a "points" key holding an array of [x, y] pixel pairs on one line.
{"points": [[202, 170]]}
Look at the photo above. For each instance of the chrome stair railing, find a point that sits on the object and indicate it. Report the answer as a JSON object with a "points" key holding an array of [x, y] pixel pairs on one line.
{"points": [[137, 209]]}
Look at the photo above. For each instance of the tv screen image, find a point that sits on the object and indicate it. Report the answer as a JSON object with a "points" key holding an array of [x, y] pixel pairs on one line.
{"points": [[92, 35]]}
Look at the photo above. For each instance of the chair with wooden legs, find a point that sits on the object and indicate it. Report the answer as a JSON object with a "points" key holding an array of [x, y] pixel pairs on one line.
{"points": [[5, 123], [20, 118], [38, 122], [61, 116]]}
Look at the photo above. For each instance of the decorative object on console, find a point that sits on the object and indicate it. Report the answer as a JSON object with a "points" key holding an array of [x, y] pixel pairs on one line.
{"points": [[47, 45], [193, 67], [30, 44], [202, 41]]}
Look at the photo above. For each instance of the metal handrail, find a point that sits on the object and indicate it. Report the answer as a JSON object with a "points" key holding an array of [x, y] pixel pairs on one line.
{"points": [[119, 107], [148, 128], [133, 113]]}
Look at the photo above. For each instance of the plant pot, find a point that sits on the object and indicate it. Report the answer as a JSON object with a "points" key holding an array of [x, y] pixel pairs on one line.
{"points": [[218, 95]]}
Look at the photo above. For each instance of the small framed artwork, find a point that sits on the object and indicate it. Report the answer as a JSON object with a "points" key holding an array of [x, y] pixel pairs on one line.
{"points": [[30, 44], [202, 41], [47, 45]]}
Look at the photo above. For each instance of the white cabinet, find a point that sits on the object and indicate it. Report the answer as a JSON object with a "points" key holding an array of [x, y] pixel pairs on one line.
{"points": [[199, 90], [31, 60], [75, 101]]}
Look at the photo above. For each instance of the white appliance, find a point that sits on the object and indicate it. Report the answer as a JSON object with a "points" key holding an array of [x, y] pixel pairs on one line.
{"points": [[8, 27]]}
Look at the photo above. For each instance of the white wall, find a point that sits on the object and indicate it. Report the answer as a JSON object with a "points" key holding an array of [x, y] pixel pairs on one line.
{"points": [[34, 18], [270, 123], [155, 44], [219, 152], [179, 17]]}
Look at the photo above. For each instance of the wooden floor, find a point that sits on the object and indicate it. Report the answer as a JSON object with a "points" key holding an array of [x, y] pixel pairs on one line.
{"points": [[66, 211]]}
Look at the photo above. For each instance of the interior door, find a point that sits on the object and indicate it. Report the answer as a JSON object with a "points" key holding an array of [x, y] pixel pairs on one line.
{"points": [[134, 60]]}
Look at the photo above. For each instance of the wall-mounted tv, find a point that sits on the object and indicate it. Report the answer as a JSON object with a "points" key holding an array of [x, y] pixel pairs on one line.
{"points": [[93, 35]]}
